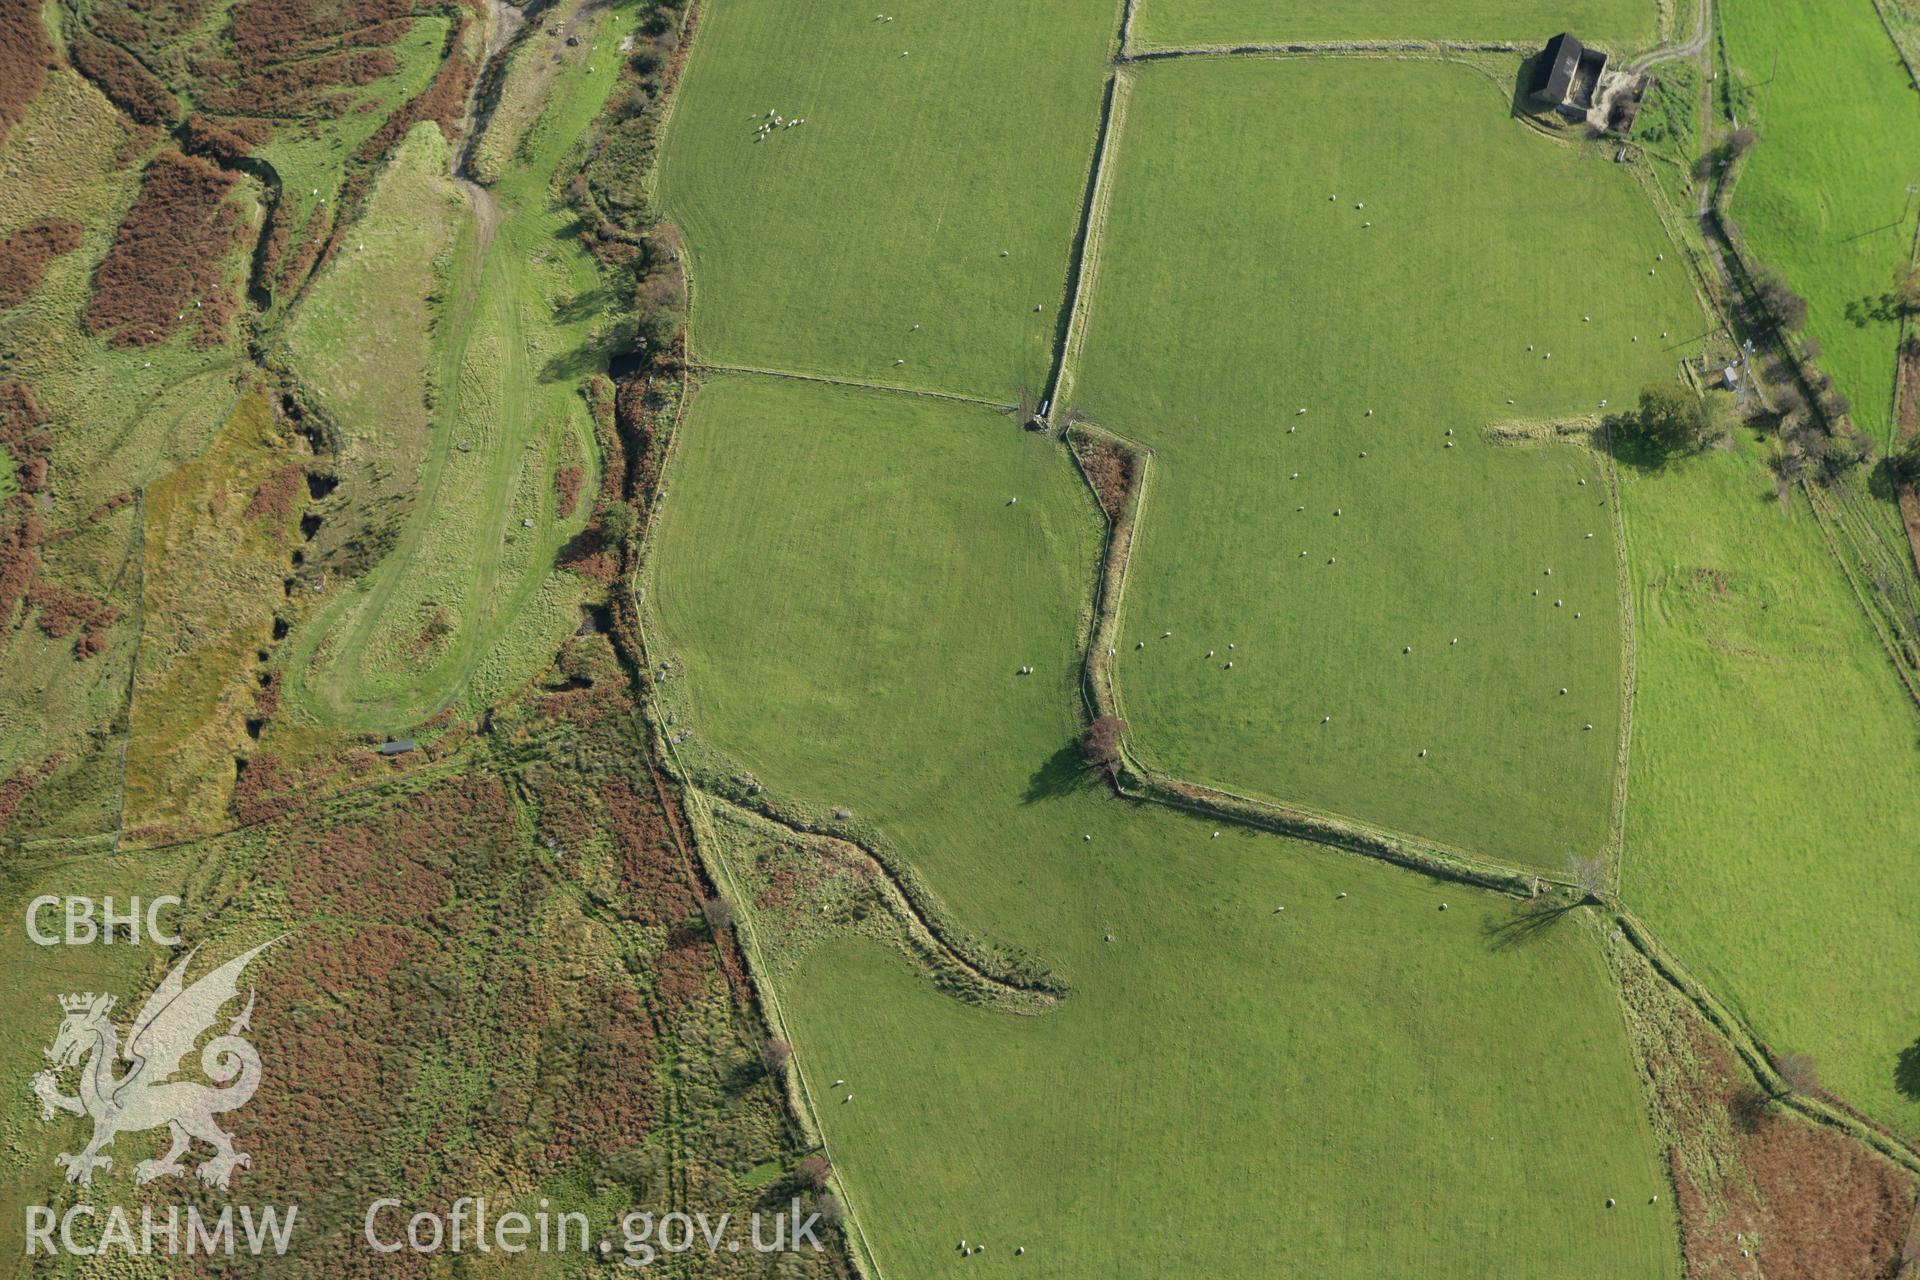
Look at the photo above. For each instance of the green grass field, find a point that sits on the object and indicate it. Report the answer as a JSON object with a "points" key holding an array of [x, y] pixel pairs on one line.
{"points": [[1485, 239], [39, 977], [312, 159], [123, 417], [363, 337], [820, 249], [1823, 197], [1617, 25], [1358, 1087], [1771, 817], [466, 604]]}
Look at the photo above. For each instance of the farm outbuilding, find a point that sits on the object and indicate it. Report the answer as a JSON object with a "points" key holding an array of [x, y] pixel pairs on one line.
{"points": [[1567, 74]]}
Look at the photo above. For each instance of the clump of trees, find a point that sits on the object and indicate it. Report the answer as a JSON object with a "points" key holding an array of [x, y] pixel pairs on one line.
{"points": [[1100, 744], [718, 913], [1808, 450], [1671, 421], [1782, 308]]}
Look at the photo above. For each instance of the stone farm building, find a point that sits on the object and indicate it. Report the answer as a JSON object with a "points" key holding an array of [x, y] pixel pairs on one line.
{"points": [[1567, 75]]}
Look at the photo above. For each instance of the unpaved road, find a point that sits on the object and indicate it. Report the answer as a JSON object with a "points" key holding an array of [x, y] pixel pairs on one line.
{"points": [[1687, 49]]}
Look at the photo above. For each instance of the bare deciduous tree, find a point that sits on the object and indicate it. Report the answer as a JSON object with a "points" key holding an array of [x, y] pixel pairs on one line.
{"points": [[1101, 742], [1589, 874], [1800, 1072], [718, 913], [814, 1171]]}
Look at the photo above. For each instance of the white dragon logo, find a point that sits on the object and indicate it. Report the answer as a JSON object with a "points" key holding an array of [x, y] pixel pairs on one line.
{"points": [[145, 1096]]}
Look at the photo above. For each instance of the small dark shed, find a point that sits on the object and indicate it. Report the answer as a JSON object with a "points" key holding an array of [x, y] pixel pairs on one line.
{"points": [[399, 746]]}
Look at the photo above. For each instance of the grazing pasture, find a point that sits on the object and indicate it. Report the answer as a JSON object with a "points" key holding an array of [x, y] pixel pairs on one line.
{"points": [[39, 976], [916, 229], [363, 336], [1365, 1085], [1771, 819], [312, 160], [466, 604], [1823, 197], [1617, 25], [218, 533], [1316, 389], [121, 417]]}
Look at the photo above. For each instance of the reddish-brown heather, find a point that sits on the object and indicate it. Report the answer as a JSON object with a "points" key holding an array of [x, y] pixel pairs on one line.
{"points": [[111, 505], [22, 781], [607, 1089], [443, 101], [290, 89], [19, 557], [120, 75], [228, 138], [26, 55], [264, 31], [1802, 1199], [262, 789], [266, 697], [681, 972], [296, 266], [168, 254], [24, 435], [1109, 469], [400, 866], [567, 483], [24, 256], [275, 497], [146, 26], [62, 613], [653, 883]]}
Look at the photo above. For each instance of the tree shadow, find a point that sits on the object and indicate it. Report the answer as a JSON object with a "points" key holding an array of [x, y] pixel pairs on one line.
{"points": [[1874, 309], [1628, 447], [585, 305], [1906, 1072], [1880, 485], [1528, 922], [591, 355], [1064, 772]]}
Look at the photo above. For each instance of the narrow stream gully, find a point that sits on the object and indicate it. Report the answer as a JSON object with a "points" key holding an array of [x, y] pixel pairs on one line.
{"points": [[505, 22]]}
